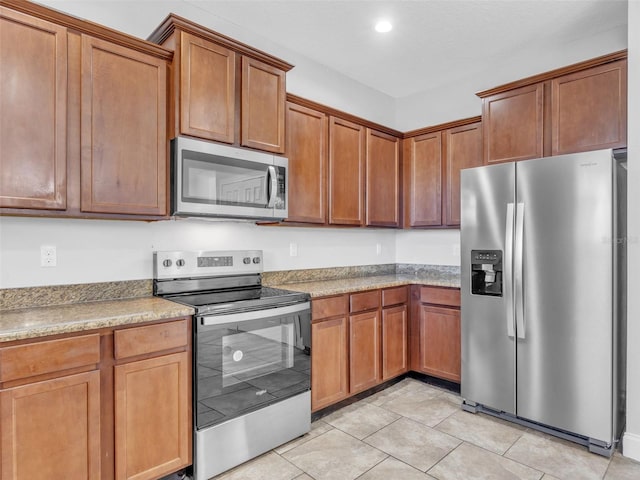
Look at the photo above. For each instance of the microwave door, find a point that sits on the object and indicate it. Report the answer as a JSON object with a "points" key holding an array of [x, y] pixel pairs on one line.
{"points": [[222, 181]]}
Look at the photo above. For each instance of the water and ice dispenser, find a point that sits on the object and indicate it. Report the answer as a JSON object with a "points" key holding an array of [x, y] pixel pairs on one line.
{"points": [[486, 272]]}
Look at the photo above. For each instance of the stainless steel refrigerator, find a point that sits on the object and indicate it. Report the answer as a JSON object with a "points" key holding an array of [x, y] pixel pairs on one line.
{"points": [[543, 245]]}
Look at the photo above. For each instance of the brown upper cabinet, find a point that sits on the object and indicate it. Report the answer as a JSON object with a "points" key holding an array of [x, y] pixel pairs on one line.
{"points": [[307, 152], [513, 124], [382, 180], [343, 170], [33, 85], [346, 172], [462, 149], [573, 109], [422, 172], [123, 130], [589, 109], [433, 158], [223, 90], [99, 146]]}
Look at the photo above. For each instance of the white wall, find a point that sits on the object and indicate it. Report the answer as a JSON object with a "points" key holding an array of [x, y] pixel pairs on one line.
{"points": [[456, 99], [110, 250], [631, 441], [434, 247]]}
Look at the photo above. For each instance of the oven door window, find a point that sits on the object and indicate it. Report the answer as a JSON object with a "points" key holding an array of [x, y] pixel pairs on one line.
{"points": [[243, 366]]}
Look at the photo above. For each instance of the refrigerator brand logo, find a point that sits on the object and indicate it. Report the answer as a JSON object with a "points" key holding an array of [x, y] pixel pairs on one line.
{"points": [[620, 240], [589, 164]]}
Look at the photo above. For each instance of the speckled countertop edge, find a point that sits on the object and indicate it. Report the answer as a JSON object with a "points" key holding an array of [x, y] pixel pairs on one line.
{"points": [[345, 285], [26, 323]]}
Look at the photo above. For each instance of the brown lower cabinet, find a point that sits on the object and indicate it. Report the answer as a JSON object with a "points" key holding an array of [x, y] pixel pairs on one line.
{"points": [[435, 331], [358, 341], [329, 351], [104, 405]]}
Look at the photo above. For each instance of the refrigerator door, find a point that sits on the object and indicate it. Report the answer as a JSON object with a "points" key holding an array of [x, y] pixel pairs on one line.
{"points": [[488, 343], [564, 304]]}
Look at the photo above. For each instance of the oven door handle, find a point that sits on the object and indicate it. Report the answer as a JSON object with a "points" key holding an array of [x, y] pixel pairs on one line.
{"points": [[208, 320]]}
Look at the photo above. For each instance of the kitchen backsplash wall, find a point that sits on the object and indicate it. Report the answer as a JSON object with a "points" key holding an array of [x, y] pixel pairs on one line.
{"points": [[431, 247], [104, 250]]}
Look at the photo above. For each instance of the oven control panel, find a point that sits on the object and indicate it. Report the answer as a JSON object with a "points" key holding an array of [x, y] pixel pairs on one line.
{"points": [[187, 264]]}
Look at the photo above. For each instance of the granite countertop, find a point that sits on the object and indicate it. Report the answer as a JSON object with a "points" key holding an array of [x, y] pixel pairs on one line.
{"points": [[25, 323], [33, 312], [321, 288]]}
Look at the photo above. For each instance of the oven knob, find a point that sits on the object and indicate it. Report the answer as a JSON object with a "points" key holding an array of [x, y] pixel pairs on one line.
{"points": [[180, 262], [167, 263], [246, 260], [256, 259]]}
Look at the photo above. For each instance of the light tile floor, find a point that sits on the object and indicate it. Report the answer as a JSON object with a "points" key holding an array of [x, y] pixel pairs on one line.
{"points": [[416, 431]]}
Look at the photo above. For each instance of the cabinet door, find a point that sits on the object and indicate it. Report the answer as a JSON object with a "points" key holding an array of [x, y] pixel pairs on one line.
{"points": [[423, 180], [383, 180], [329, 360], [51, 429], [207, 89], [440, 342], [307, 153], [394, 341], [364, 351], [123, 130], [33, 102], [346, 172], [152, 416], [462, 149], [263, 105], [589, 109], [513, 124]]}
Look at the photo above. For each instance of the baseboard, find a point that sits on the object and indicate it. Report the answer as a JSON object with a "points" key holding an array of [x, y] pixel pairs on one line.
{"points": [[631, 446]]}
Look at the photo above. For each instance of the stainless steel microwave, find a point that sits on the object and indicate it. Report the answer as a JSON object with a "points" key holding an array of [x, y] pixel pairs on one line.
{"points": [[215, 180]]}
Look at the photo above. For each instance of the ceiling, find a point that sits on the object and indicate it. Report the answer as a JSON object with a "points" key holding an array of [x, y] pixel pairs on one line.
{"points": [[455, 38]]}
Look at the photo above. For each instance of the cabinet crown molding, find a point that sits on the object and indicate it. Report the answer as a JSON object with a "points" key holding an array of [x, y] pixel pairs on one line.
{"points": [[443, 126], [87, 27], [175, 22], [558, 72], [330, 111]]}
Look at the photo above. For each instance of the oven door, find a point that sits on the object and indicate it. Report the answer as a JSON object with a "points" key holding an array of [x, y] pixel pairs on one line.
{"points": [[245, 361]]}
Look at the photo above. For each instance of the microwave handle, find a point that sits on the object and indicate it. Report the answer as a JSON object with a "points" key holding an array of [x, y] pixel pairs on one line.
{"points": [[272, 185]]}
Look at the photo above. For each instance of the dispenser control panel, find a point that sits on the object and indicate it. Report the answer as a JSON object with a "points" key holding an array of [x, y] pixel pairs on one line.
{"points": [[486, 272]]}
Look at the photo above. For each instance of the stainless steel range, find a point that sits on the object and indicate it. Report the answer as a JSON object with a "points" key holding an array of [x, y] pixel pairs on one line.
{"points": [[251, 355]]}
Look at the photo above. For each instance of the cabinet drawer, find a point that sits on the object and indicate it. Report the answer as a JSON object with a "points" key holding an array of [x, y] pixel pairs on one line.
{"points": [[328, 307], [394, 296], [23, 361], [151, 338], [365, 301], [440, 296]]}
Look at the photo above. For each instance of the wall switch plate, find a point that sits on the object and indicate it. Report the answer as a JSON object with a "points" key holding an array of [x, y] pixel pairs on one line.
{"points": [[48, 256], [293, 249], [456, 249], [378, 249]]}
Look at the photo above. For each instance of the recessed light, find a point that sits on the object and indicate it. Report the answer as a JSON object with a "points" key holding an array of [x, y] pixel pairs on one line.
{"points": [[383, 26]]}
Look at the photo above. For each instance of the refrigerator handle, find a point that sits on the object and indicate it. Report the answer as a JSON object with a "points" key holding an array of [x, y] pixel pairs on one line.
{"points": [[508, 271], [517, 270]]}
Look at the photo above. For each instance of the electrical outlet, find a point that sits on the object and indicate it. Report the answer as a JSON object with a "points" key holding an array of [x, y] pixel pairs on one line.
{"points": [[293, 249], [48, 256]]}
